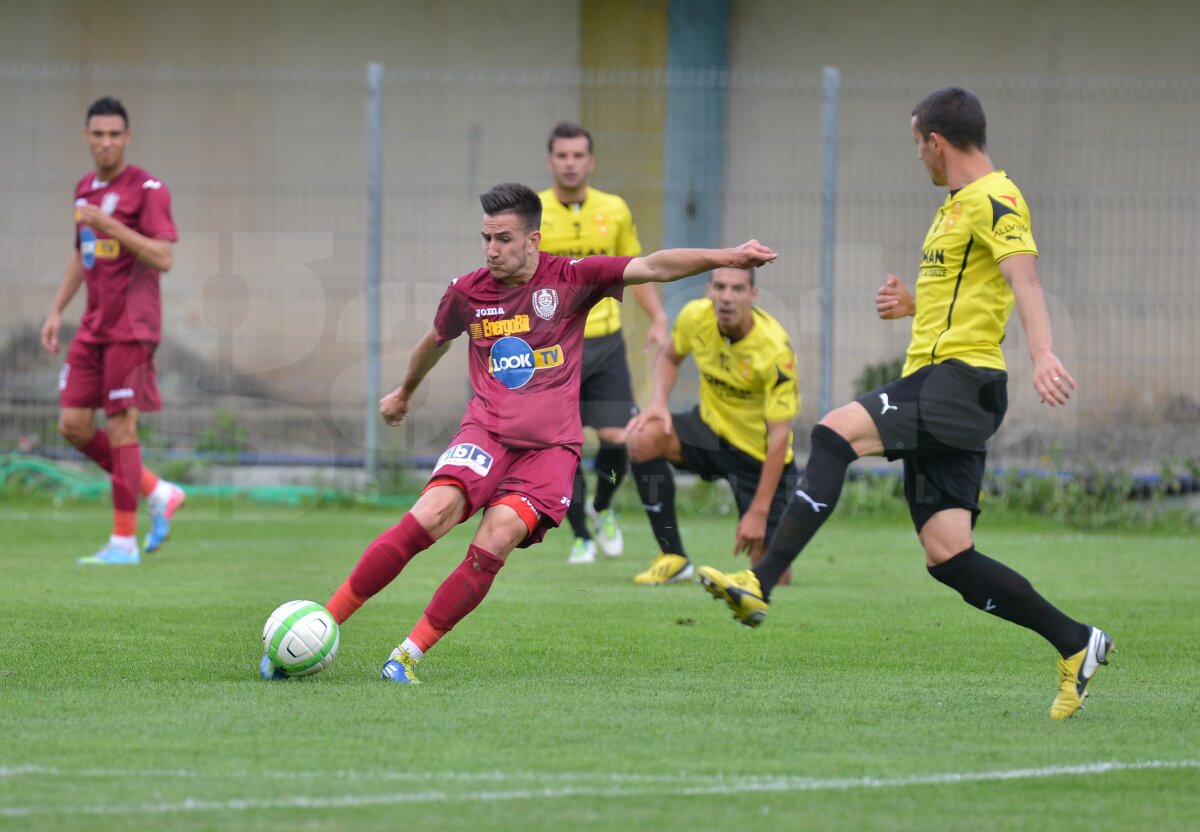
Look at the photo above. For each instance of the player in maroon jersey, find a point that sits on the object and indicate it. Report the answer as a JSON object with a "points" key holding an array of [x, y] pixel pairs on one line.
{"points": [[518, 445], [123, 237]]}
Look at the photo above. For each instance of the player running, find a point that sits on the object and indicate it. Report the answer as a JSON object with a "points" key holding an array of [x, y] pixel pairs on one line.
{"points": [[978, 259]]}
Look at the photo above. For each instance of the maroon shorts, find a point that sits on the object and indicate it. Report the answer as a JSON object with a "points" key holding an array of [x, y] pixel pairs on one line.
{"points": [[114, 376], [487, 470]]}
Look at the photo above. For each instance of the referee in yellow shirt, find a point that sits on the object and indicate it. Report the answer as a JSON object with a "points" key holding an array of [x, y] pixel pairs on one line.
{"points": [[740, 432], [978, 260], [578, 221]]}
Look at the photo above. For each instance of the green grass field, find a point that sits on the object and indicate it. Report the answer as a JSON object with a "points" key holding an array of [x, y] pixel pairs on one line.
{"points": [[872, 698]]}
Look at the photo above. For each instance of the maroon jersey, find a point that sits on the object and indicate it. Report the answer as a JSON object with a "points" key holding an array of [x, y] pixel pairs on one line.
{"points": [[122, 292], [526, 345]]}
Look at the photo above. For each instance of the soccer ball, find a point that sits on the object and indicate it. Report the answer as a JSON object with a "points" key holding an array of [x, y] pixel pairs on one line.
{"points": [[300, 638]]}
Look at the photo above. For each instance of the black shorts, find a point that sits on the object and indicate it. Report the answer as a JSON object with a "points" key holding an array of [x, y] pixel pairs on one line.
{"points": [[711, 457], [605, 391], [937, 420]]}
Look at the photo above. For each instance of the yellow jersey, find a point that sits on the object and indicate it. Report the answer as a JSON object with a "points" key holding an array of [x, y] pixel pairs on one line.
{"points": [[743, 384], [963, 302], [601, 224]]}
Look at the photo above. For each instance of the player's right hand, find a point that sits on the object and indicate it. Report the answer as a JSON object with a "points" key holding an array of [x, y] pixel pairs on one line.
{"points": [[644, 417], [893, 300], [394, 406], [752, 254], [50, 330]]}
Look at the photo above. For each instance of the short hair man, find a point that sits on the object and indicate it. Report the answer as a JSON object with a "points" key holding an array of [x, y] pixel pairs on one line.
{"points": [[580, 221], [123, 237], [979, 258], [741, 431], [518, 444]]}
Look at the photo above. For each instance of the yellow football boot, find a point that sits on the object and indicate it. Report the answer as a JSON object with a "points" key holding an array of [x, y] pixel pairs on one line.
{"points": [[740, 591], [1075, 672]]}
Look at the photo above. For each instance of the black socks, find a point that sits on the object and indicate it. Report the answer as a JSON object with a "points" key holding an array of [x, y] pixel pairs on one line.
{"points": [[992, 587], [813, 502]]}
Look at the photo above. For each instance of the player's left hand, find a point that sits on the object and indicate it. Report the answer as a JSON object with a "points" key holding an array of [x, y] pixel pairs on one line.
{"points": [[751, 254], [751, 535], [394, 406], [1051, 380], [93, 218]]}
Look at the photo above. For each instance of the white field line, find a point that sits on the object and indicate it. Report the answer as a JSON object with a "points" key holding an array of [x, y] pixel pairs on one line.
{"points": [[623, 786]]}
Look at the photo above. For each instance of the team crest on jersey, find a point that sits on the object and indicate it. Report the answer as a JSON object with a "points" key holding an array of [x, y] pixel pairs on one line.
{"points": [[512, 361], [746, 368], [466, 455], [953, 215], [109, 203], [545, 303], [600, 223]]}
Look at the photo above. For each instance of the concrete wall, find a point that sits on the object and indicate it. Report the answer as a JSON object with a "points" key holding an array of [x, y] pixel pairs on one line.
{"points": [[253, 113]]}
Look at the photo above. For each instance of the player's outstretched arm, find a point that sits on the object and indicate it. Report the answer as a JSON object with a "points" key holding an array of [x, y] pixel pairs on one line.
{"points": [[155, 253], [71, 281], [675, 263], [395, 405], [1050, 378]]}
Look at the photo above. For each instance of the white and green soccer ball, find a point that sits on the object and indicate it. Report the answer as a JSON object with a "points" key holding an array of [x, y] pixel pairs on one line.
{"points": [[300, 638]]}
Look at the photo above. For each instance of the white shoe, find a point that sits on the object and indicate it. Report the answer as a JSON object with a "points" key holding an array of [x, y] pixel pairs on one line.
{"points": [[608, 531], [584, 551]]}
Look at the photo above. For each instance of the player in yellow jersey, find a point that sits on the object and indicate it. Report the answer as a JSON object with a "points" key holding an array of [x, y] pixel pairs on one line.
{"points": [[978, 259], [741, 431], [577, 221]]}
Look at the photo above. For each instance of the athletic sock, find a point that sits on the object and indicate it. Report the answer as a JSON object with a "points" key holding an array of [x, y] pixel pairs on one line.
{"points": [[99, 450], [612, 461], [991, 586], [656, 485], [126, 475], [156, 491], [410, 647], [815, 499], [128, 542], [423, 636], [575, 513], [387, 555], [344, 602], [463, 589]]}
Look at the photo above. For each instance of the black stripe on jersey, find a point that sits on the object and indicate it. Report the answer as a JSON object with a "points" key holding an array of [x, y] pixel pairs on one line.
{"points": [[953, 300]]}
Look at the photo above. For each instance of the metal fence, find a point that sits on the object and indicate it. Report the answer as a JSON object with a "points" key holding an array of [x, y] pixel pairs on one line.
{"points": [[265, 312]]}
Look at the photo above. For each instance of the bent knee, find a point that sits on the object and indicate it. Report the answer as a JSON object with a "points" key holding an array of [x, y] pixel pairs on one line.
{"points": [[76, 432], [646, 442]]}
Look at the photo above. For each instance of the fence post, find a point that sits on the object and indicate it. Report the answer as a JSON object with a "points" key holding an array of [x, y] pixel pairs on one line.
{"points": [[374, 265], [830, 83]]}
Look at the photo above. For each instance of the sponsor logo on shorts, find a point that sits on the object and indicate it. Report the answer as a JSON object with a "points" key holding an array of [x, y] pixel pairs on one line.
{"points": [[466, 455], [513, 361], [63, 373], [120, 393], [883, 397], [545, 303], [498, 329]]}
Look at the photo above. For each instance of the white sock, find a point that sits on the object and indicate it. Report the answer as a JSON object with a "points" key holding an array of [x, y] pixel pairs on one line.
{"points": [[129, 544], [161, 493], [411, 649]]}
